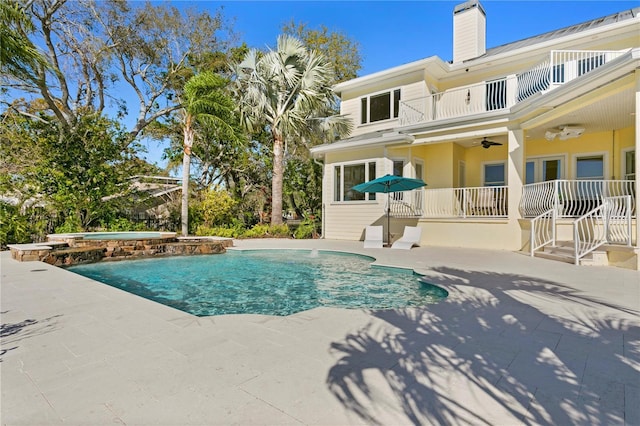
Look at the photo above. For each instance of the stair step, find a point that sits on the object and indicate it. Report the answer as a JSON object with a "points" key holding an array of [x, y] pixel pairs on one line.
{"points": [[555, 256]]}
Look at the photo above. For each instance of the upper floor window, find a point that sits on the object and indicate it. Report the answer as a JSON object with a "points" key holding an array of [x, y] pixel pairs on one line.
{"points": [[381, 106]]}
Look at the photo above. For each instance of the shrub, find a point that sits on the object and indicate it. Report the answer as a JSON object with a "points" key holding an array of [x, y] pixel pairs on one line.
{"points": [[124, 224], [220, 231], [71, 224], [268, 231], [306, 229], [15, 227]]}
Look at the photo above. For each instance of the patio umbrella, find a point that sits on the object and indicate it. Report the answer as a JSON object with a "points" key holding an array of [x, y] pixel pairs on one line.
{"points": [[388, 184]]}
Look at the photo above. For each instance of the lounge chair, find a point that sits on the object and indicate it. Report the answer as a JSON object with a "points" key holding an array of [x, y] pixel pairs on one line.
{"points": [[410, 238], [373, 237]]}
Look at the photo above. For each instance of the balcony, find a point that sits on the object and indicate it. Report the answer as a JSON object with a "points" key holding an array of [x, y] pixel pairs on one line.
{"points": [[479, 203], [569, 198], [559, 68], [572, 198]]}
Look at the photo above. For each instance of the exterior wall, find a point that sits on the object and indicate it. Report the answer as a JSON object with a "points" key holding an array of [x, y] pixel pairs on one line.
{"points": [[490, 234], [347, 220], [350, 106], [611, 143], [477, 156]]}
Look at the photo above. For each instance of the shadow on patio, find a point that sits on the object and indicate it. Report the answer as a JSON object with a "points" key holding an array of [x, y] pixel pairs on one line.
{"points": [[501, 349]]}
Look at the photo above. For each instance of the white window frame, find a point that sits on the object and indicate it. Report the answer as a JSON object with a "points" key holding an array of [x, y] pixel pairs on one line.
{"points": [[538, 160], [493, 163], [405, 162], [462, 174], [623, 163], [417, 162], [605, 163], [392, 112], [369, 198]]}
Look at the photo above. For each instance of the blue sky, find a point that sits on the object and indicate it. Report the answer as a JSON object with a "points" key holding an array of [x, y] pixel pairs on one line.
{"points": [[392, 33]]}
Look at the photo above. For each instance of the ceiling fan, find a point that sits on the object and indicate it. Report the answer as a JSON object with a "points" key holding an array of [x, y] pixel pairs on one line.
{"points": [[487, 143]]}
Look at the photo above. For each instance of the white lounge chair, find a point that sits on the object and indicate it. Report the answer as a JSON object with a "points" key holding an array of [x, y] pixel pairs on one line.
{"points": [[373, 237], [410, 238]]}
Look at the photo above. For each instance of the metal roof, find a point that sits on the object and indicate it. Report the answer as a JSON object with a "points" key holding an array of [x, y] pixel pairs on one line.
{"points": [[562, 32]]}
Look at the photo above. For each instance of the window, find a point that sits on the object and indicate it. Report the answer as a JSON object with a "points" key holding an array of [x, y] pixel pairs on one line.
{"points": [[543, 169], [493, 174], [591, 167], [378, 107], [630, 164], [346, 176], [419, 170], [398, 167]]}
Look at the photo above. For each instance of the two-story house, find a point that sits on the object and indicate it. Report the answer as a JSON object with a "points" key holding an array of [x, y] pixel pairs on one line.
{"points": [[524, 146]]}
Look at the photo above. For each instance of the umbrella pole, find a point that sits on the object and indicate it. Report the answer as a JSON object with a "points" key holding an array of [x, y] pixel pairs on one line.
{"points": [[388, 220]]}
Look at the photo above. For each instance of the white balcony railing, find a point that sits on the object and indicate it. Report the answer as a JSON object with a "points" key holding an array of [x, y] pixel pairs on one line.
{"points": [[480, 202], [406, 204], [572, 198], [560, 67]]}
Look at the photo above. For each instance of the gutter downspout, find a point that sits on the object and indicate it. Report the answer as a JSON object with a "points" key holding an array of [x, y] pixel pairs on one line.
{"points": [[323, 206]]}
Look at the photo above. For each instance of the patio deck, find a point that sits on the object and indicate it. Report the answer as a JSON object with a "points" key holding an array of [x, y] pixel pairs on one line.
{"points": [[520, 340]]}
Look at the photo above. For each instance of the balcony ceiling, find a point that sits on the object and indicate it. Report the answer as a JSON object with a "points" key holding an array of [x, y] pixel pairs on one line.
{"points": [[611, 113]]}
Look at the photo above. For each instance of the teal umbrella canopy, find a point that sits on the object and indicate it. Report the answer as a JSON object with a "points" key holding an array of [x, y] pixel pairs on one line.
{"points": [[388, 184]]}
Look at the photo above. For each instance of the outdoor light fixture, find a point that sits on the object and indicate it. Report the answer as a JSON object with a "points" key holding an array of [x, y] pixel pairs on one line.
{"points": [[468, 100], [564, 133]]}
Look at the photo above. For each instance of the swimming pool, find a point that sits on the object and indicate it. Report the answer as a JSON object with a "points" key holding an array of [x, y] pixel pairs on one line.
{"points": [[269, 282]]}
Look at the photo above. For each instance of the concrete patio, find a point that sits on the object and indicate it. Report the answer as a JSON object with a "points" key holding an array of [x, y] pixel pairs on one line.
{"points": [[518, 341]]}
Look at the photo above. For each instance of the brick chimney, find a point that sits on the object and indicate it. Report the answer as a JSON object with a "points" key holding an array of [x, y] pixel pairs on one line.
{"points": [[469, 31]]}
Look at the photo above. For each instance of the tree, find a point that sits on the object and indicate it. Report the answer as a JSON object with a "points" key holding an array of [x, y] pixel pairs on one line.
{"points": [[342, 53], [287, 91], [204, 104], [17, 52], [93, 48], [75, 178]]}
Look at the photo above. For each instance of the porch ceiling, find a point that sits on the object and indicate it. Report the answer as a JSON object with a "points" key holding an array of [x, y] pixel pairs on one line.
{"points": [[611, 112]]}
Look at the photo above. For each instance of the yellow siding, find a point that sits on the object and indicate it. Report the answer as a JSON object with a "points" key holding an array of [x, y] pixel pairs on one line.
{"points": [[611, 143]]}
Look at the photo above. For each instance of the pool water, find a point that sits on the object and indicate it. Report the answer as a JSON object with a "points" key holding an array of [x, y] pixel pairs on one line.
{"points": [[270, 282]]}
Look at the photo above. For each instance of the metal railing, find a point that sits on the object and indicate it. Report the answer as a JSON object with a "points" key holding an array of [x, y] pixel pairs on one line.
{"points": [[406, 204], [543, 231], [561, 66], [619, 223], [610, 222], [485, 202], [572, 198]]}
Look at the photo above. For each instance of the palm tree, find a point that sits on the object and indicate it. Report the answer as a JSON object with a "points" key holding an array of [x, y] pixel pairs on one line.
{"points": [[204, 104], [288, 91]]}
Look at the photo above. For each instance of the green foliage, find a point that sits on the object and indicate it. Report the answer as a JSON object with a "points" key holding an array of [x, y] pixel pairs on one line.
{"points": [[220, 231], [217, 207], [123, 224], [268, 231], [82, 178], [308, 228], [342, 52], [71, 224], [14, 227]]}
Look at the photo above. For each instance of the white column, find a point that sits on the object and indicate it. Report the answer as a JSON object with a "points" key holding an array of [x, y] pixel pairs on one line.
{"points": [[515, 171], [637, 145]]}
